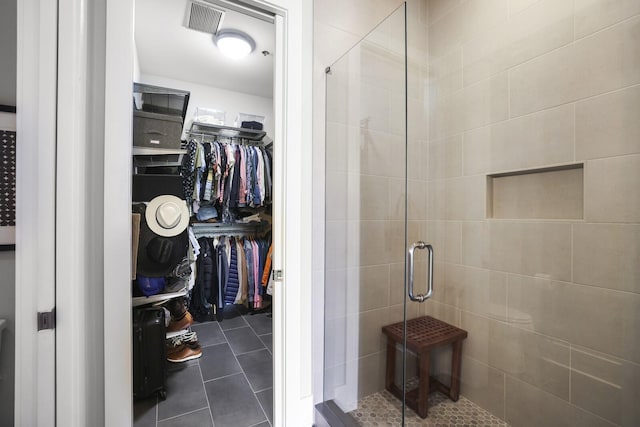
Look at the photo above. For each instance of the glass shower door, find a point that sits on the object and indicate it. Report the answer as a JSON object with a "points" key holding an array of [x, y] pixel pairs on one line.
{"points": [[368, 228]]}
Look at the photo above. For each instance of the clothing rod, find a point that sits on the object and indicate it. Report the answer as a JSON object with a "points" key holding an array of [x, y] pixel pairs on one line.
{"points": [[220, 138], [218, 229]]}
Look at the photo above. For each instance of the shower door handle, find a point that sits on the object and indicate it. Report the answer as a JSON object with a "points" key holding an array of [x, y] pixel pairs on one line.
{"points": [[421, 297]]}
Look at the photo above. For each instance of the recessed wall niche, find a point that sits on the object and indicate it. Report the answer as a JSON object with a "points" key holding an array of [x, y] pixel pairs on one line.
{"points": [[547, 193]]}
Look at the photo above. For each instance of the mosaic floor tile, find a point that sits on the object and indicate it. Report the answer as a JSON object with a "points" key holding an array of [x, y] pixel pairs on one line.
{"points": [[383, 409]]}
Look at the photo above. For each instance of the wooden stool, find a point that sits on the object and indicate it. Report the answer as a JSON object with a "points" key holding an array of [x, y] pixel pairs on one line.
{"points": [[423, 334]]}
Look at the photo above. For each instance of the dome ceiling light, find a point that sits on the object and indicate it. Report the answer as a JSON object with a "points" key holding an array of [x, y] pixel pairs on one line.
{"points": [[234, 44]]}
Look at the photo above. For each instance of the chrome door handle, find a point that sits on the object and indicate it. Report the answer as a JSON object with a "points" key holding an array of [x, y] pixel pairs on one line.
{"points": [[421, 297]]}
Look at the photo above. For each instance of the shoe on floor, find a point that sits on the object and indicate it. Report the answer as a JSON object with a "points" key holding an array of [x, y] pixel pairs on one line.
{"points": [[179, 324], [185, 354]]}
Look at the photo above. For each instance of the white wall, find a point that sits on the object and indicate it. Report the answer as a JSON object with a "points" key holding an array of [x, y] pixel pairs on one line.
{"points": [[8, 27], [220, 99], [8, 10]]}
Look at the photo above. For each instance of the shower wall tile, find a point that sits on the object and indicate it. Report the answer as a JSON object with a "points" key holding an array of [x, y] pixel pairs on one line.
{"points": [[602, 319], [373, 195], [533, 358], [611, 189], [373, 286], [464, 198], [370, 337], [476, 243], [371, 373], [606, 255], [546, 25], [357, 16], [484, 103], [477, 105], [381, 153], [439, 8], [444, 312], [608, 125], [557, 77], [517, 6], [461, 22], [529, 406], [475, 290], [594, 15], [396, 283], [445, 158], [371, 249], [539, 139], [483, 385], [606, 386], [417, 200], [445, 75], [446, 239], [534, 249]]}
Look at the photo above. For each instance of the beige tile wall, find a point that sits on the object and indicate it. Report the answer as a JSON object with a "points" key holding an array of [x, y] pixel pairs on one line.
{"points": [[552, 307]]}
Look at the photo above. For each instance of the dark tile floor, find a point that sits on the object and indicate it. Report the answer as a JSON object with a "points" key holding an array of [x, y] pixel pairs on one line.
{"points": [[231, 385]]}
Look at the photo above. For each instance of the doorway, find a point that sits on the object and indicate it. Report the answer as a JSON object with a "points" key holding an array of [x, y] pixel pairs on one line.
{"points": [[220, 366]]}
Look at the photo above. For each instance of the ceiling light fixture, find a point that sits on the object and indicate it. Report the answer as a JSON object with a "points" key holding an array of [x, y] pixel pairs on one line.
{"points": [[234, 44]]}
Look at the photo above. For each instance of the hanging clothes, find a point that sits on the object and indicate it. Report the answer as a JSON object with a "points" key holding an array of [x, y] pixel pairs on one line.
{"points": [[238, 271], [226, 175]]}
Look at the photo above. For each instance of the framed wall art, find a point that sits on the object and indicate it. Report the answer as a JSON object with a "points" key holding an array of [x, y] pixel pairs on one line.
{"points": [[7, 177]]}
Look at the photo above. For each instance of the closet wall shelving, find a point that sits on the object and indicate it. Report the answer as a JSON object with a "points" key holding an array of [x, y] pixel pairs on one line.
{"points": [[209, 129]]}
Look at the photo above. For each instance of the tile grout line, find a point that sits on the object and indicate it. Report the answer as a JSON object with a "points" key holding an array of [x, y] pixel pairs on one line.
{"points": [[245, 375], [186, 413], [157, 407], [222, 377], [206, 394]]}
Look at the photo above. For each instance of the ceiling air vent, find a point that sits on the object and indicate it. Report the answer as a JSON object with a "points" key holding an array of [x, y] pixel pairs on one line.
{"points": [[205, 18]]}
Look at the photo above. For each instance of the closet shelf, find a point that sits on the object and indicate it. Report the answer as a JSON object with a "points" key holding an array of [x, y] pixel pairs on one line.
{"points": [[206, 229], [150, 151], [157, 299], [199, 128]]}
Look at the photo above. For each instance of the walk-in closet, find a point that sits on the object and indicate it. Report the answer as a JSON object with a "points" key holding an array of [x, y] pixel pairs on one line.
{"points": [[202, 193]]}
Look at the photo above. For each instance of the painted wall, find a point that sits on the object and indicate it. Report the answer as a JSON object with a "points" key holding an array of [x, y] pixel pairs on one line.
{"points": [[220, 99], [550, 298], [8, 46], [8, 28]]}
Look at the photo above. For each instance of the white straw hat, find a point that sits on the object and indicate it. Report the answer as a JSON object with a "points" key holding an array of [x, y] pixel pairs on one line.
{"points": [[167, 215]]}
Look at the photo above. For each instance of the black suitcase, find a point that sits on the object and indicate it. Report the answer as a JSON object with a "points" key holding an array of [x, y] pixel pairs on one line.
{"points": [[149, 353]]}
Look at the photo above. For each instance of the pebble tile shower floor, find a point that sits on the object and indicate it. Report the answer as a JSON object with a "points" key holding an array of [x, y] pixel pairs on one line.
{"points": [[383, 409], [231, 385]]}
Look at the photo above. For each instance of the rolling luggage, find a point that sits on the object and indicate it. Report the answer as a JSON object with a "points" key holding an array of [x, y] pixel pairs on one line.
{"points": [[149, 353]]}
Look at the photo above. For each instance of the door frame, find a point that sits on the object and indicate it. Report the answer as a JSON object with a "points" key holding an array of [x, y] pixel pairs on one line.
{"points": [[293, 400], [36, 118], [103, 46]]}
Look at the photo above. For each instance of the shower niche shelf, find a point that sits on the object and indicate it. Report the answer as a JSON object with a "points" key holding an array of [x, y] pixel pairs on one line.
{"points": [[552, 193]]}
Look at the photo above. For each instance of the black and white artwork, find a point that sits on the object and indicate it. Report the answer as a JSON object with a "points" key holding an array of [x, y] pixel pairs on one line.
{"points": [[7, 177]]}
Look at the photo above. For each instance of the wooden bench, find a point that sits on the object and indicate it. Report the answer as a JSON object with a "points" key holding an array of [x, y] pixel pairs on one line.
{"points": [[423, 334]]}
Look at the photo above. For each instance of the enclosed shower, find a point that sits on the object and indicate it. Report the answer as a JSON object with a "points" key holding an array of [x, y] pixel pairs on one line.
{"points": [[505, 134]]}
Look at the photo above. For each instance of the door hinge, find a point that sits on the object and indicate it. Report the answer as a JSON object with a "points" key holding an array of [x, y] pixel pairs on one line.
{"points": [[47, 319], [277, 275]]}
